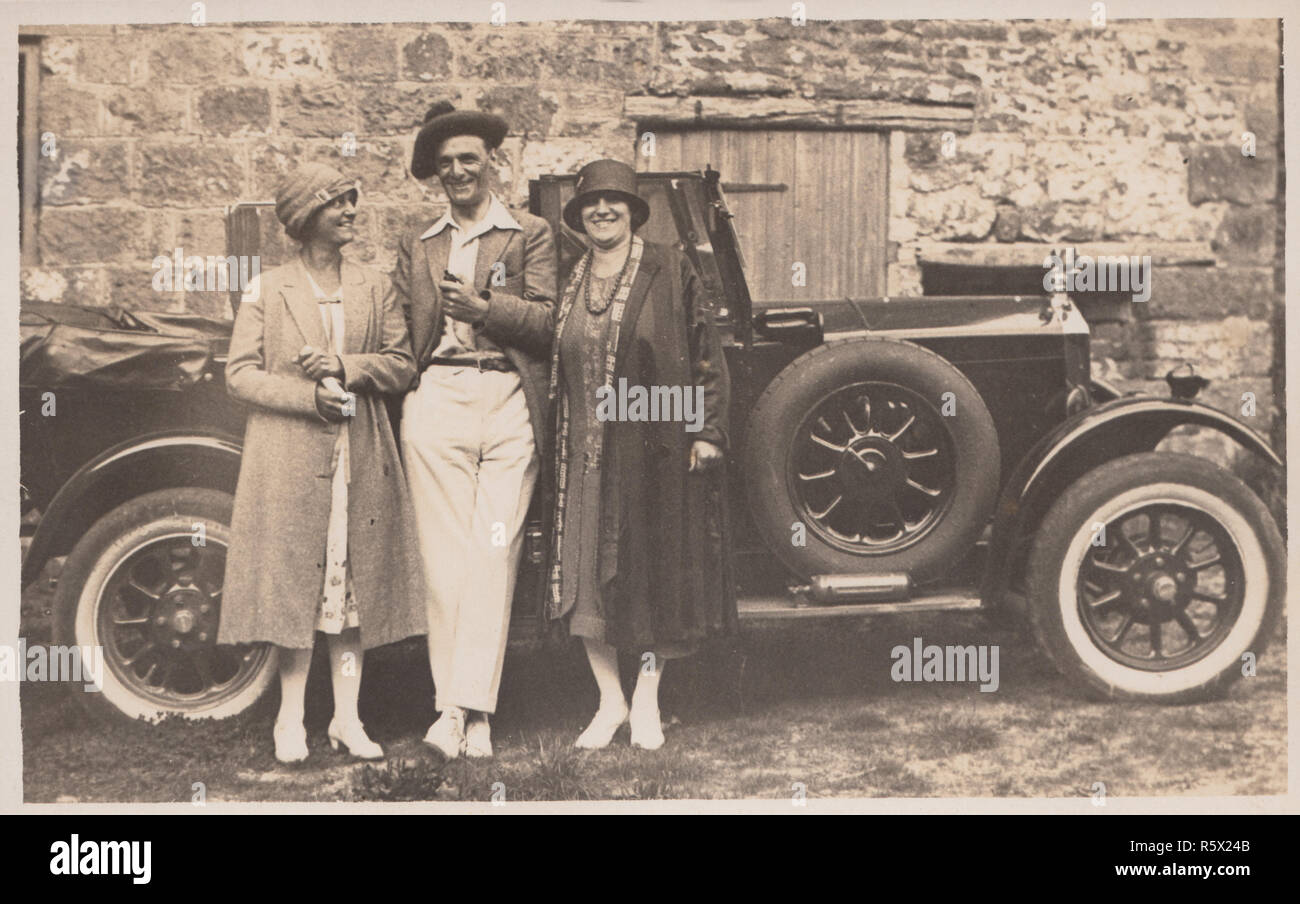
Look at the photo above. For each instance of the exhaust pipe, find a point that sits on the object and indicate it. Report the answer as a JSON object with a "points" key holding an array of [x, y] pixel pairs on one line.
{"points": [[832, 589]]}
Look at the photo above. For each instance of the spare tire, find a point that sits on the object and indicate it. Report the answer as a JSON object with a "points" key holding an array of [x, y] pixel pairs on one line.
{"points": [[878, 455]]}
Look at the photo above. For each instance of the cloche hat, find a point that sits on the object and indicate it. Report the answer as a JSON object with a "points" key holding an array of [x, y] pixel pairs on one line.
{"points": [[306, 190], [605, 177]]}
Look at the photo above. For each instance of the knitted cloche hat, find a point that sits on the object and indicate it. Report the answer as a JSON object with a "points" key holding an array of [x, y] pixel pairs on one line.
{"points": [[306, 190]]}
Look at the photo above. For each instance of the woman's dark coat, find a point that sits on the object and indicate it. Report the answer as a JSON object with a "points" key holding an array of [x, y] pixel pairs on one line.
{"points": [[664, 560]]}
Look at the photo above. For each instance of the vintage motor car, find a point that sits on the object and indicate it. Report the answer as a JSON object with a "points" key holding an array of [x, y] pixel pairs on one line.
{"points": [[889, 455]]}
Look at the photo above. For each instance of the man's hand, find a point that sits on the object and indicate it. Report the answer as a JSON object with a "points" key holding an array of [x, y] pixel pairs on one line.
{"points": [[705, 456], [317, 365], [331, 404], [458, 305]]}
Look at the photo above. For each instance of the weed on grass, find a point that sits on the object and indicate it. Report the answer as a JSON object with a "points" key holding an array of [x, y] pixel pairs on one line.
{"points": [[398, 780]]}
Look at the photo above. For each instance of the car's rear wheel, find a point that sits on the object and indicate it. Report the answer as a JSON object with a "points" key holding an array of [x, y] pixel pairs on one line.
{"points": [[144, 584], [871, 455], [1153, 576]]}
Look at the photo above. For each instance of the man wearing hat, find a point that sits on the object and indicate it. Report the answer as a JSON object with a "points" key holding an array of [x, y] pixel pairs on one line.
{"points": [[478, 287]]}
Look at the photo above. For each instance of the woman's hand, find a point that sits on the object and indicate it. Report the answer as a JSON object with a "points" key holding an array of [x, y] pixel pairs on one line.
{"points": [[331, 404], [318, 365], [705, 456]]}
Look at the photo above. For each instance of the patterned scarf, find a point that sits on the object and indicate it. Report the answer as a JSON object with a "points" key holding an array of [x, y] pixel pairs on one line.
{"points": [[621, 295]]}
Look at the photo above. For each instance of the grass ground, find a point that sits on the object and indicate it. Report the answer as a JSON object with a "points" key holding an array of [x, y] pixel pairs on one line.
{"points": [[806, 706]]}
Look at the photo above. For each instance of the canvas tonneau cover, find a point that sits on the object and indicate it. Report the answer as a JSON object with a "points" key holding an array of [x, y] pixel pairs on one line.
{"points": [[63, 344]]}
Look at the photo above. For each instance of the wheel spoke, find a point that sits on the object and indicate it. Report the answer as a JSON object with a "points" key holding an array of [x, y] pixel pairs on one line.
{"points": [[132, 660], [1107, 567], [1177, 548], [1206, 563], [211, 571], [1129, 542], [169, 666], [140, 588], [1205, 597], [926, 490], [1106, 601], [822, 514], [172, 559], [820, 475], [1157, 638], [204, 668], [891, 505], [141, 620], [1118, 639], [926, 453], [826, 443], [1185, 622], [911, 419]]}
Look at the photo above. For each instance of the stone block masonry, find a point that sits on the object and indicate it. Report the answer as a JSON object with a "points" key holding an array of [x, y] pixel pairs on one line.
{"points": [[1007, 139]]}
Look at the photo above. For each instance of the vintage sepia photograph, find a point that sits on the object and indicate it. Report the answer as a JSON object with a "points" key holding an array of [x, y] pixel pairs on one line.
{"points": [[628, 406]]}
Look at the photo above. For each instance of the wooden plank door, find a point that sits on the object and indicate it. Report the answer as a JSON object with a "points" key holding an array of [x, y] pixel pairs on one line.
{"points": [[819, 198]]}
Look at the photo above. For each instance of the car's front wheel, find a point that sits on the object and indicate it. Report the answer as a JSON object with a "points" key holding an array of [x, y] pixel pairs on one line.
{"points": [[144, 585], [1154, 576]]}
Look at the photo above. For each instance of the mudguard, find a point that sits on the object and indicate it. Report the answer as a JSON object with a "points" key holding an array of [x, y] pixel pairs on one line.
{"points": [[1096, 435], [139, 465]]}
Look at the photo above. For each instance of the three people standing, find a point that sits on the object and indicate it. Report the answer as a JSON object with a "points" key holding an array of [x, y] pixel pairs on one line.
{"points": [[332, 532]]}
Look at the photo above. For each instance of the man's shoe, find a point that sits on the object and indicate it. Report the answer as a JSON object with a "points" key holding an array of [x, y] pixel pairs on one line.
{"points": [[478, 736], [447, 735]]}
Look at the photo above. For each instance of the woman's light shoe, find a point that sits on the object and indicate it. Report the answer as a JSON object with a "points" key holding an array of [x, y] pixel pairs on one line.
{"points": [[604, 725], [478, 736], [647, 730], [290, 742], [447, 735], [352, 735]]}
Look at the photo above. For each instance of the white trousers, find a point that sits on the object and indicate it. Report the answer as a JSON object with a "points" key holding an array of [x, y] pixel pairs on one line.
{"points": [[471, 464]]}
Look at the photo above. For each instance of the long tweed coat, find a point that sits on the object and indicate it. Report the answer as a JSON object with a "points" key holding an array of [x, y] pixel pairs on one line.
{"points": [[276, 563]]}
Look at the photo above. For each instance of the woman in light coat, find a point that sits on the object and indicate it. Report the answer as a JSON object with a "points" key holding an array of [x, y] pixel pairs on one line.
{"points": [[322, 534]]}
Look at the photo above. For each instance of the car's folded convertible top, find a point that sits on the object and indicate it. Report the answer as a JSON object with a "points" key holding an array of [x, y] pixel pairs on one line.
{"points": [[66, 344]]}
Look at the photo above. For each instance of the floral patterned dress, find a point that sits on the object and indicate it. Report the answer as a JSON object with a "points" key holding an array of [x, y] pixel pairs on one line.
{"points": [[338, 604]]}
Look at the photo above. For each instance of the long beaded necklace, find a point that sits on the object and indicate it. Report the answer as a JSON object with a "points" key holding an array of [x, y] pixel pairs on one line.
{"points": [[607, 296]]}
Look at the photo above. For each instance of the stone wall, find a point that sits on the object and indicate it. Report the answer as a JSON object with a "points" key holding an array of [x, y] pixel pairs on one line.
{"points": [[1128, 137]]}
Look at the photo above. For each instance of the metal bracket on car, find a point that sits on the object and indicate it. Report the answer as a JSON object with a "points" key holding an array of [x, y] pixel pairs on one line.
{"points": [[833, 589]]}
